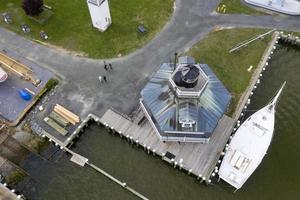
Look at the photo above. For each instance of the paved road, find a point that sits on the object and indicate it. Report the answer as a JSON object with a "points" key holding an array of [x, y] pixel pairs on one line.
{"points": [[191, 21]]}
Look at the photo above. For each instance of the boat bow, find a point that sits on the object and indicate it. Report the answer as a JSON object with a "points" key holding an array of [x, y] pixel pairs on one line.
{"points": [[275, 100]]}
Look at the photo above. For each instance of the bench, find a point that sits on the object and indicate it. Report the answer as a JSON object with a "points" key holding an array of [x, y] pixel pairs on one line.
{"points": [[141, 29]]}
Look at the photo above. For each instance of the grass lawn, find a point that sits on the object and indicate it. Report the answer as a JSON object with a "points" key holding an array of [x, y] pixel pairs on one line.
{"points": [[71, 28], [237, 7], [231, 68]]}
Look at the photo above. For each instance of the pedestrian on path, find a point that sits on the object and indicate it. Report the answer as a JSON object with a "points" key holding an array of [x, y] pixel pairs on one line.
{"points": [[105, 66], [110, 66], [100, 79], [104, 78]]}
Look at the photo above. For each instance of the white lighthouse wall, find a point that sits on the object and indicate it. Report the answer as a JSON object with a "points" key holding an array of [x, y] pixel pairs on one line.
{"points": [[100, 15]]}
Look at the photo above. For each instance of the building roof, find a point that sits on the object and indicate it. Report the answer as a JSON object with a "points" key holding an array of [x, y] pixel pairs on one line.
{"points": [[184, 117], [96, 2], [186, 60], [187, 76]]}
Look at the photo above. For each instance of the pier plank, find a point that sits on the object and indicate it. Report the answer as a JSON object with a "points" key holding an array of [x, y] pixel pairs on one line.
{"points": [[200, 158]]}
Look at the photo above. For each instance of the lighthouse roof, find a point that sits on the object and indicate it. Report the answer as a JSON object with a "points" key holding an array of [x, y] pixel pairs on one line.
{"points": [[181, 112]]}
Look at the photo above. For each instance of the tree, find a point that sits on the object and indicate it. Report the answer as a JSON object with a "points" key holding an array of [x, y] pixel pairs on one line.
{"points": [[32, 7]]}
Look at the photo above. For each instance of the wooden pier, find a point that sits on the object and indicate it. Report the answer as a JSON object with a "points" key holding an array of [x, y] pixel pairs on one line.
{"points": [[79, 159], [196, 158], [7, 194], [290, 38], [67, 139]]}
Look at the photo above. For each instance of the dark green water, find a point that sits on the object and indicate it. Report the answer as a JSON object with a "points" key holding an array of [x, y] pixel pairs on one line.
{"points": [[278, 177]]}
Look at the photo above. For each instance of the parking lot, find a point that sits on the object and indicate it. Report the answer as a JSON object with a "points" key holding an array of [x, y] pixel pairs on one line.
{"points": [[12, 106]]}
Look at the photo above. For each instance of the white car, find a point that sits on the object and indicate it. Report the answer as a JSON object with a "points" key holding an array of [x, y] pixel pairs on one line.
{"points": [[3, 75]]}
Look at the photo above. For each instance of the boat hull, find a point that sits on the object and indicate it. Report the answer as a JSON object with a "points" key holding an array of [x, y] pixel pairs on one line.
{"points": [[248, 147]]}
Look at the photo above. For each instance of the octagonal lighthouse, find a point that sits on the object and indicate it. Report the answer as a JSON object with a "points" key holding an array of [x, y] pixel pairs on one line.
{"points": [[100, 14], [184, 104]]}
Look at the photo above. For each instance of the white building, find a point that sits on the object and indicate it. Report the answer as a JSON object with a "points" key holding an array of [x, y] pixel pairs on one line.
{"points": [[100, 14], [291, 7]]}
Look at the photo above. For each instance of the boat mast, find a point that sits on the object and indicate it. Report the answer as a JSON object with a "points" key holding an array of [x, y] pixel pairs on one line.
{"points": [[275, 100]]}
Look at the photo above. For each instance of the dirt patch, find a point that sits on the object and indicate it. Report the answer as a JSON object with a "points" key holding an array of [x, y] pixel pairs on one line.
{"points": [[63, 50]]}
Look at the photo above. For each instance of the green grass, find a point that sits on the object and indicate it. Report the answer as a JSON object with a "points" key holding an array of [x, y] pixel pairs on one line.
{"points": [[70, 27], [43, 17], [231, 68], [51, 84], [237, 7], [37, 145]]}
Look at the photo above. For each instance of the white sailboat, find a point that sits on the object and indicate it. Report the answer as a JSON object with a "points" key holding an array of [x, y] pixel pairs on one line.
{"points": [[249, 145]]}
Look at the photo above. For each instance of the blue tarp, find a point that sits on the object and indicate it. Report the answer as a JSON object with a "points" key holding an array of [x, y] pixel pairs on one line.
{"points": [[25, 95]]}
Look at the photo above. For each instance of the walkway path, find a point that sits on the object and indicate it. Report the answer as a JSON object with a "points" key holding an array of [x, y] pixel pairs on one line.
{"points": [[6, 194], [81, 90]]}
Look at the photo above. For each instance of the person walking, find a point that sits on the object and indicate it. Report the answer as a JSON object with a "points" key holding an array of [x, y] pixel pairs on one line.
{"points": [[104, 78], [105, 66], [100, 79], [110, 66]]}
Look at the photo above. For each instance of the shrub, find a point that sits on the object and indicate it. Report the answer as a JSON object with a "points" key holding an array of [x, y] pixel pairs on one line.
{"points": [[32, 7], [51, 83]]}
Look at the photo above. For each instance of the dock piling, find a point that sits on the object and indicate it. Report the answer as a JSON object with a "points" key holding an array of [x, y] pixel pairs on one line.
{"points": [[175, 164], [199, 176]]}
